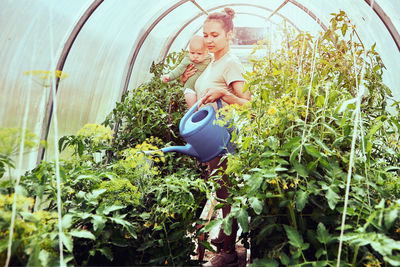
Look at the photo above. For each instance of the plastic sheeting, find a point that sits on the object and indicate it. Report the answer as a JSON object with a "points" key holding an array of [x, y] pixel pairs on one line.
{"points": [[112, 49]]}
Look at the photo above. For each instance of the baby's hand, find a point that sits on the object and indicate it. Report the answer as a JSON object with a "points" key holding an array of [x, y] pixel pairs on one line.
{"points": [[165, 78]]}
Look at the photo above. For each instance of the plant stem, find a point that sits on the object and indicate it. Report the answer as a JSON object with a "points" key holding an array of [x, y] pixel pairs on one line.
{"points": [[292, 215], [326, 249], [290, 207], [169, 246], [353, 263]]}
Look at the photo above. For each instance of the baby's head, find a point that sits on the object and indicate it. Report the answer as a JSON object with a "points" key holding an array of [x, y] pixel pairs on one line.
{"points": [[197, 49]]}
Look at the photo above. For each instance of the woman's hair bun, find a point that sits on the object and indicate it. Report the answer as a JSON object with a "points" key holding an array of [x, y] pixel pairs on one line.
{"points": [[230, 12]]}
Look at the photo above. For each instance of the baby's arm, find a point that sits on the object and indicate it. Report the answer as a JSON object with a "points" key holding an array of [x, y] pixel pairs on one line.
{"points": [[178, 71]]}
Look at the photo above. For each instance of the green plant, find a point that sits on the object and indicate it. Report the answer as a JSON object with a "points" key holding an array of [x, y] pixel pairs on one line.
{"points": [[294, 153], [120, 206], [10, 140], [120, 192]]}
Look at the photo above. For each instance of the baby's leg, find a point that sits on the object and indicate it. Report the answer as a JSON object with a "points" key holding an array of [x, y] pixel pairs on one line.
{"points": [[190, 97]]}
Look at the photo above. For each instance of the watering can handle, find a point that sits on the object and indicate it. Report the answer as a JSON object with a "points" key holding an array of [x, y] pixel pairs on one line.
{"points": [[219, 103], [192, 110]]}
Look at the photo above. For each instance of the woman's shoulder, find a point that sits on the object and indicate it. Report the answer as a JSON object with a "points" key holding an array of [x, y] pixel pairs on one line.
{"points": [[232, 58]]}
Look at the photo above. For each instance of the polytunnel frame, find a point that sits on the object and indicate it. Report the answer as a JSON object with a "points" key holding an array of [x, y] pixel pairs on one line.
{"points": [[60, 66], [172, 39], [386, 21], [141, 39]]}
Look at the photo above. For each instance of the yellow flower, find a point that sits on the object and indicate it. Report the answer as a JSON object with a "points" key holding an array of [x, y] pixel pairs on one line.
{"points": [[285, 186], [45, 76], [97, 132], [271, 111]]}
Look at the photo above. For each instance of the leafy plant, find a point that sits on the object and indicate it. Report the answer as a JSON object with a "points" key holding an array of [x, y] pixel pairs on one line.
{"points": [[294, 152], [120, 206]]}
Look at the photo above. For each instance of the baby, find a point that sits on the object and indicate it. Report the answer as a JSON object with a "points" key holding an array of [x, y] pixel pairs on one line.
{"points": [[199, 57]]}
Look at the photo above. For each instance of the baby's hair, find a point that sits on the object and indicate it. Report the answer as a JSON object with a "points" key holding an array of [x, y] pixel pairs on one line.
{"points": [[200, 39], [225, 17]]}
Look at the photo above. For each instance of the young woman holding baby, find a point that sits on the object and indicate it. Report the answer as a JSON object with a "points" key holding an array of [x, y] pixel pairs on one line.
{"points": [[222, 79]]}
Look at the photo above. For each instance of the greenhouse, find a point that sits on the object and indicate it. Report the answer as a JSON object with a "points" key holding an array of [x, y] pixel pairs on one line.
{"points": [[200, 133]]}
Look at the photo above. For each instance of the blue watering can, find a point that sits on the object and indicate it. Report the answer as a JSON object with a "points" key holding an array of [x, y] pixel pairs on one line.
{"points": [[205, 139]]}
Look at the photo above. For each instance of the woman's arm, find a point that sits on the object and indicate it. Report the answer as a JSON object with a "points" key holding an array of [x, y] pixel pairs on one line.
{"points": [[237, 97]]}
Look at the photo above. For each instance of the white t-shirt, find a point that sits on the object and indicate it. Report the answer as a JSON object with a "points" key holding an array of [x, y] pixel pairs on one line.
{"points": [[220, 74]]}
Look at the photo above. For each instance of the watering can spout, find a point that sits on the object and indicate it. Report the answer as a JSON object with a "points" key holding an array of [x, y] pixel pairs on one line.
{"points": [[187, 149]]}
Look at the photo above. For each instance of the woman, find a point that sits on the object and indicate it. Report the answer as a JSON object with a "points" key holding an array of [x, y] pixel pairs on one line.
{"points": [[223, 80]]}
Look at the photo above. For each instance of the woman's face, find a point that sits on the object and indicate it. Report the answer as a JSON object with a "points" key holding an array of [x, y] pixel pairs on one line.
{"points": [[216, 37]]}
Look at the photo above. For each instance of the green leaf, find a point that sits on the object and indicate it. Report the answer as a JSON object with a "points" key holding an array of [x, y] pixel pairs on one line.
{"points": [[320, 101], [280, 169], [293, 155], [256, 205], [208, 246], [284, 258], [82, 234], [300, 169], [106, 251], [283, 153], [227, 225], [390, 216], [394, 260], [319, 263], [334, 24], [44, 257], [295, 239], [319, 253], [332, 198], [255, 182], [67, 241], [98, 222], [67, 221], [243, 220], [212, 224], [276, 72], [294, 142], [312, 150], [246, 143], [112, 208], [34, 254], [374, 129], [131, 230], [344, 29], [323, 235], [264, 263], [301, 199], [321, 144], [265, 95], [120, 220], [95, 194]]}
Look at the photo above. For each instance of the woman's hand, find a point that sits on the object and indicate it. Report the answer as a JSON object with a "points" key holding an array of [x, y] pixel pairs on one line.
{"points": [[236, 97], [212, 94], [189, 72]]}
